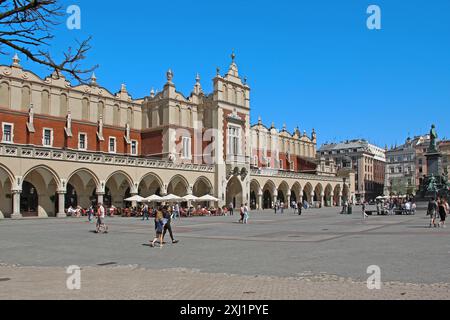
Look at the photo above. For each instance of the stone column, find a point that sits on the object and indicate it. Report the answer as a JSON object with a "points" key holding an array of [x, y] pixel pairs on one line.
{"points": [[133, 203], [16, 204], [275, 196], [312, 199], [322, 200], [339, 202], [300, 197], [100, 197], [260, 200], [61, 204]]}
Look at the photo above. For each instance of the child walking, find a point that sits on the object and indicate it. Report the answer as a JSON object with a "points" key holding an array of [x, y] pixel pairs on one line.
{"points": [[159, 227]]}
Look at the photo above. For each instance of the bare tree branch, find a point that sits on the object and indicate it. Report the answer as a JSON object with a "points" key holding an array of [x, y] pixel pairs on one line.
{"points": [[26, 27]]}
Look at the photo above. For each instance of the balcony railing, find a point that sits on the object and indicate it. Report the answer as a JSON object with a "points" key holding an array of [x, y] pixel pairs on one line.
{"points": [[32, 152]]}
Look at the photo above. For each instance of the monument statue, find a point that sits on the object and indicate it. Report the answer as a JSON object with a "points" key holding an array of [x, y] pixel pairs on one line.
{"points": [[432, 184], [433, 138]]}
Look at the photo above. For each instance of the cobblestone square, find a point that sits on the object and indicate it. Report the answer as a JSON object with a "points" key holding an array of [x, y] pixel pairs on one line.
{"points": [[319, 255]]}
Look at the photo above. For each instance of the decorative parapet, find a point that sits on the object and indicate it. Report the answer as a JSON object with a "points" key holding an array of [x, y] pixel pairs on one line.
{"points": [[292, 175], [95, 158]]}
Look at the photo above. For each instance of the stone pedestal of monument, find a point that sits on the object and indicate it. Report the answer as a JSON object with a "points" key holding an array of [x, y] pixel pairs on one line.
{"points": [[434, 163]]}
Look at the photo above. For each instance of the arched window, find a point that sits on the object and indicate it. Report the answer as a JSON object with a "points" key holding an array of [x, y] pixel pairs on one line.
{"points": [[101, 110], [116, 115], [45, 102], [4, 95], [85, 109], [63, 105], [26, 98], [225, 92], [130, 117]]}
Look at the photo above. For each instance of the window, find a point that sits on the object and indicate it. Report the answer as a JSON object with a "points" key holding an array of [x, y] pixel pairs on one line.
{"points": [[134, 148], [47, 138], [392, 170], [82, 141], [112, 145], [281, 164], [234, 140], [8, 132], [186, 152]]}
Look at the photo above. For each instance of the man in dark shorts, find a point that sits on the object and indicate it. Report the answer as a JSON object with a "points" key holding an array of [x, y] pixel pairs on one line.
{"points": [[167, 226]]}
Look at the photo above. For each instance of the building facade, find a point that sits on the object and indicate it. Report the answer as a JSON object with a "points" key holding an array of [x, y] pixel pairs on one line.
{"points": [[68, 145], [407, 166], [366, 160]]}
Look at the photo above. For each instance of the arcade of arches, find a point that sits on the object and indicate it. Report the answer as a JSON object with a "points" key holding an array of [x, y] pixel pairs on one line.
{"points": [[43, 192]]}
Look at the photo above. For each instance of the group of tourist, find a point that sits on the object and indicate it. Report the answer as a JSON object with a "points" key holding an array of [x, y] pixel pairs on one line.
{"points": [[438, 208]]}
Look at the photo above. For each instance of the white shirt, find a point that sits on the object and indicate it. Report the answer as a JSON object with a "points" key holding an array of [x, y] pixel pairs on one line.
{"points": [[102, 212]]}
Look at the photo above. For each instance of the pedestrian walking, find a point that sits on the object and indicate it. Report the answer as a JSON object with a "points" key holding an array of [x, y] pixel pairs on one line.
{"points": [[145, 214], [443, 211], [299, 208], [364, 210], [241, 211], [432, 212], [231, 208], [245, 220], [167, 217], [159, 226], [90, 213]]}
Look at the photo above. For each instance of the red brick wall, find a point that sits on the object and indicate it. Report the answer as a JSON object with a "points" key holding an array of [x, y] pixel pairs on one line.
{"points": [[152, 143], [22, 136]]}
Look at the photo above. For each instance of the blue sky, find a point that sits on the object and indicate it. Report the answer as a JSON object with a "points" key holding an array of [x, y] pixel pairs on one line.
{"points": [[312, 64]]}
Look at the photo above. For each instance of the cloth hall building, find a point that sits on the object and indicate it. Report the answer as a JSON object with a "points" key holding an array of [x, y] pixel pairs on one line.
{"points": [[64, 145]]}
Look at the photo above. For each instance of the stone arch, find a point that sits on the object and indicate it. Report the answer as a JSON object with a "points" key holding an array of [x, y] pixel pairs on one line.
{"points": [[150, 184], [118, 186], [202, 187], [178, 186], [268, 194], [82, 187], [234, 192], [283, 191], [307, 192], [6, 186], [318, 191], [329, 201], [337, 194], [255, 190], [296, 192], [39, 192]]}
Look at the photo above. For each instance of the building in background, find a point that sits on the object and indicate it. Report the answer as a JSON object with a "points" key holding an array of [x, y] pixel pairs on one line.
{"points": [[368, 161], [64, 145], [444, 148]]}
